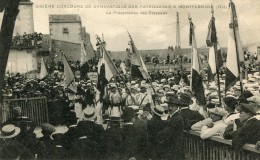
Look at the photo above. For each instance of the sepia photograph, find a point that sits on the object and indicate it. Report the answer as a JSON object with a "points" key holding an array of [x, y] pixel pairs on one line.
{"points": [[129, 80]]}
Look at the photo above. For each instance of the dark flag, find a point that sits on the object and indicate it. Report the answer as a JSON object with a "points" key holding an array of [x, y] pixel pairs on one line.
{"points": [[69, 76], [196, 69], [106, 67], [215, 60], [138, 69]]}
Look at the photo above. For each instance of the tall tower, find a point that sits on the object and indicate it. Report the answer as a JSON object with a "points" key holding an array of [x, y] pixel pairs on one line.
{"points": [[24, 21], [178, 36]]}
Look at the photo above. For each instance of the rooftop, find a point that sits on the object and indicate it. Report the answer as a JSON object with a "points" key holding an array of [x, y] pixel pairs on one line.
{"points": [[64, 18]]}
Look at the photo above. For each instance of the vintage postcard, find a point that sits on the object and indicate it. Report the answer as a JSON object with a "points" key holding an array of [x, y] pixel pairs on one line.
{"points": [[79, 72]]}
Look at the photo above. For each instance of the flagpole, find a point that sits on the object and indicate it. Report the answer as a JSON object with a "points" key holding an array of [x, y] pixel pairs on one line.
{"points": [[189, 17], [102, 47], [216, 59], [237, 52], [148, 77]]}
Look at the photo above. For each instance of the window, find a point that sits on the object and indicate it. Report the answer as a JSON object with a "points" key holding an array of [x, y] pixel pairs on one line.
{"points": [[65, 30]]}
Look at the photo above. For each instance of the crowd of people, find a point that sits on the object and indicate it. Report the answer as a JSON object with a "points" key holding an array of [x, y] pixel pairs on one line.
{"points": [[132, 119], [27, 40]]}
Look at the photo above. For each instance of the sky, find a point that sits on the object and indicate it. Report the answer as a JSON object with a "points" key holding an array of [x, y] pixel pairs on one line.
{"points": [[152, 31]]}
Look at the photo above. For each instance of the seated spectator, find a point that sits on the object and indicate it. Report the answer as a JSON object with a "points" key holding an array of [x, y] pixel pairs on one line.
{"points": [[189, 116], [255, 99], [216, 128], [213, 117], [249, 132]]}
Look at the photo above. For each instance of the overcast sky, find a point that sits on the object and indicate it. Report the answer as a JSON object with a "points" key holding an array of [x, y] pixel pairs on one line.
{"points": [[154, 31]]}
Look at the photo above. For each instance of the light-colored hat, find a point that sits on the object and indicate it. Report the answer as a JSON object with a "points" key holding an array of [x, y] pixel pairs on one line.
{"points": [[133, 82], [163, 80], [166, 86], [134, 107], [9, 131], [251, 79], [164, 105], [217, 110], [158, 110], [255, 99], [113, 85], [89, 114]]}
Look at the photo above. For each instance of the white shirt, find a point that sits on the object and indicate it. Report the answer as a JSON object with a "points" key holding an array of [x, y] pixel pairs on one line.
{"points": [[258, 115], [197, 126], [219, 126], [144, 98]]}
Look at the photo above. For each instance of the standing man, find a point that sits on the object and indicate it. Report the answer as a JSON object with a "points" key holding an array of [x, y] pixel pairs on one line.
{"points": [[144, 99], [172, 134]]}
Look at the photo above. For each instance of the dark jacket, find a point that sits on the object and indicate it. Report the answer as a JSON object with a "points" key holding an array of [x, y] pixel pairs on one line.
{"points": [[85, 148], [172, 137], [113, 142], [249, 133], [133, 142], [190, 117], [229, 133], [95, 133], [154, 126]]}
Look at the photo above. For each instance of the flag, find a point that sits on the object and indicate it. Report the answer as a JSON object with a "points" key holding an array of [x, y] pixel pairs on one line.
{"points": [[106, 68], [138, 69], [196, 69], [215, 60], [83, 55], [43, 72], [69, 76], [84, 66], [234, 50]]}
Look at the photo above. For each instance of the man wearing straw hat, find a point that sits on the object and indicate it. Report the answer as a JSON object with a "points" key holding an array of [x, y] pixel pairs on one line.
{"points": [[134, 140], [88, 127], [12, 149], [154, 126]]}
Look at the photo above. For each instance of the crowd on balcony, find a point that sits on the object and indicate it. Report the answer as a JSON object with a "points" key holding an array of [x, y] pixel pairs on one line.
{"points": [[27, 40]]}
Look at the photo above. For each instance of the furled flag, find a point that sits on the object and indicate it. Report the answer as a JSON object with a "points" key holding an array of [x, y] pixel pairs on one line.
{"points": [[106, 67], [215, 60], [43, 72], [69, 76], [234, 50], [138, 68], [84, 66], [196, 69]]}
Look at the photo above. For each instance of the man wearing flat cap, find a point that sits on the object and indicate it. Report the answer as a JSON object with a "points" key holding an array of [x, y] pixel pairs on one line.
{"points": [[250, 131]]}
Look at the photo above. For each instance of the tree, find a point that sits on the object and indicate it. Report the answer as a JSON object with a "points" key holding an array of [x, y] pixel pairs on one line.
{"points": [[6, 32]]}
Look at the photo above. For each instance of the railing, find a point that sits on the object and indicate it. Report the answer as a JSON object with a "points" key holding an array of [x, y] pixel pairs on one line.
{"points": [[33, 108], [216, 148]]}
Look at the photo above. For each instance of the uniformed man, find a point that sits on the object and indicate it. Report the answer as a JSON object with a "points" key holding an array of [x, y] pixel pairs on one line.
{"points": [[144, 99]]}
